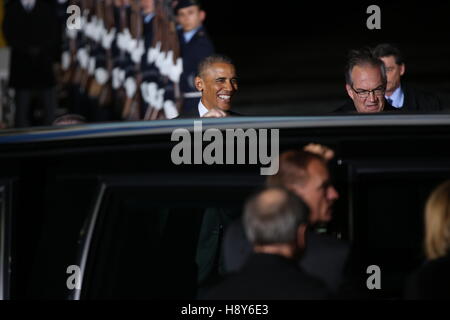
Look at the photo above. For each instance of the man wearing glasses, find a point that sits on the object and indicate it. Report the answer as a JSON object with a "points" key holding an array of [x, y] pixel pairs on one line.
{"points": [[365, 83]]}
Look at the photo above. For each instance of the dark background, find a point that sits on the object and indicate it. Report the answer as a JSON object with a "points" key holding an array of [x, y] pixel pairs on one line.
{"points": [[290, 55]]}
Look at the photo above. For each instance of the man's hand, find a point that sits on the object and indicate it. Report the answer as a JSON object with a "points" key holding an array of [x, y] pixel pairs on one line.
{"points": [[320, 150], [215, 113]]}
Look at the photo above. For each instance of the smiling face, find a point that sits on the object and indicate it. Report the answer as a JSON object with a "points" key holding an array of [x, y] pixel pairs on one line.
{"points": [[366, 77], [218, 84]]}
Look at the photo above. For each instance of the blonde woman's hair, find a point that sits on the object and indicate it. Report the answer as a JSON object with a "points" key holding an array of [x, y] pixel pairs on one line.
{"points": [[437, 222]]}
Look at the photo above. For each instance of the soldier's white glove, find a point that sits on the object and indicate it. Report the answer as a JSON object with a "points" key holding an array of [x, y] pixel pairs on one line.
{"points": [[65, 60], [153, 53], [99, 30], [130, 87], [118, 76], [170, 109], [144, 92], [160, 59], [176, 71], [108, 38], [136, 54], [153, 93], [101, 76], [71, 33], [167, 63], [125, 40], [89, 30], [83, 57], [159, 102]]}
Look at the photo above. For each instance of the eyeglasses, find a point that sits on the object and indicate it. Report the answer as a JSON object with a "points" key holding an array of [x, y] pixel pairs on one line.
{"points": [[379, 92]]}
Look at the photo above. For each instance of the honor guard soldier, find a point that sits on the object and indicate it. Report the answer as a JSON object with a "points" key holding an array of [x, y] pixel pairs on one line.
{"points": [[195, 46]]}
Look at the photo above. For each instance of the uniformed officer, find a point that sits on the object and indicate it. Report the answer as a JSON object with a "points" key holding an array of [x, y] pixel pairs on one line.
{"points": [[195, 46]]}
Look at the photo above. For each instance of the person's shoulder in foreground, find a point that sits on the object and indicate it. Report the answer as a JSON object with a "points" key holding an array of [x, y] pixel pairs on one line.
{"points": [[431, 281], [269, 277], [275, 222]]}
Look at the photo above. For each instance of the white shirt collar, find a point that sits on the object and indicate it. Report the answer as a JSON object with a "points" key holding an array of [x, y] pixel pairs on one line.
{"points": [[397, 98], [202, 109], [148, 17], [190, 34]]}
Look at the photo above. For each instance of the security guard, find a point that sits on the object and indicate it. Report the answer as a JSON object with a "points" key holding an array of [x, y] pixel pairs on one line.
{"points": [[195, 46]]}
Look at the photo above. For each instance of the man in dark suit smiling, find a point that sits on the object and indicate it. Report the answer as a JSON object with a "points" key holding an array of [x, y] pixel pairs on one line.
{"points": [[217, 81]]}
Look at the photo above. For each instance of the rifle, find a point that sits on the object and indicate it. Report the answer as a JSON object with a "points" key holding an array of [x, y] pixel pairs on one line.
{"points": [[166, 99], [118, 58], [97, 52], [105, 95], [68, 59], [79, 44], [86, 68], [131, 109]]}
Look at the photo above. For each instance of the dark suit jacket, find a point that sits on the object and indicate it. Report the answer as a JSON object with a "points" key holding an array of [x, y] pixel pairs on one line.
{"points": [[431, 281], [269, 276], [32, 38], [349, 107], [417, 100], [325, 257]]}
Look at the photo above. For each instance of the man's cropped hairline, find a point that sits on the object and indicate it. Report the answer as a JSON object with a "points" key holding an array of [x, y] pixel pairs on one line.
{"points": [[210, 60], [363, 58]]}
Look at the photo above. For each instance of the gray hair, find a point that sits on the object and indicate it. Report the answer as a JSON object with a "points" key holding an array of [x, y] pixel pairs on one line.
{"points": [[70, 118], [208, 61], [273, 216], [362, 57]]}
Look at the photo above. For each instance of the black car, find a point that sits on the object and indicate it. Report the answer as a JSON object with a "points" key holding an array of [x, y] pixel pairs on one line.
{"points": [[103, 212]]}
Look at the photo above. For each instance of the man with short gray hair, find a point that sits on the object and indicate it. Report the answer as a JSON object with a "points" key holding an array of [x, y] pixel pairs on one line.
{"points": [[365, 78], [273, 217], [275, 221]]}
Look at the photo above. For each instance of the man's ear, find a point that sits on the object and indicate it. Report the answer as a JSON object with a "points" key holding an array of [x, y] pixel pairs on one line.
{"points": [[402, 69], [349, 91], [301, 236], [202, 15], [198, 83]]}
